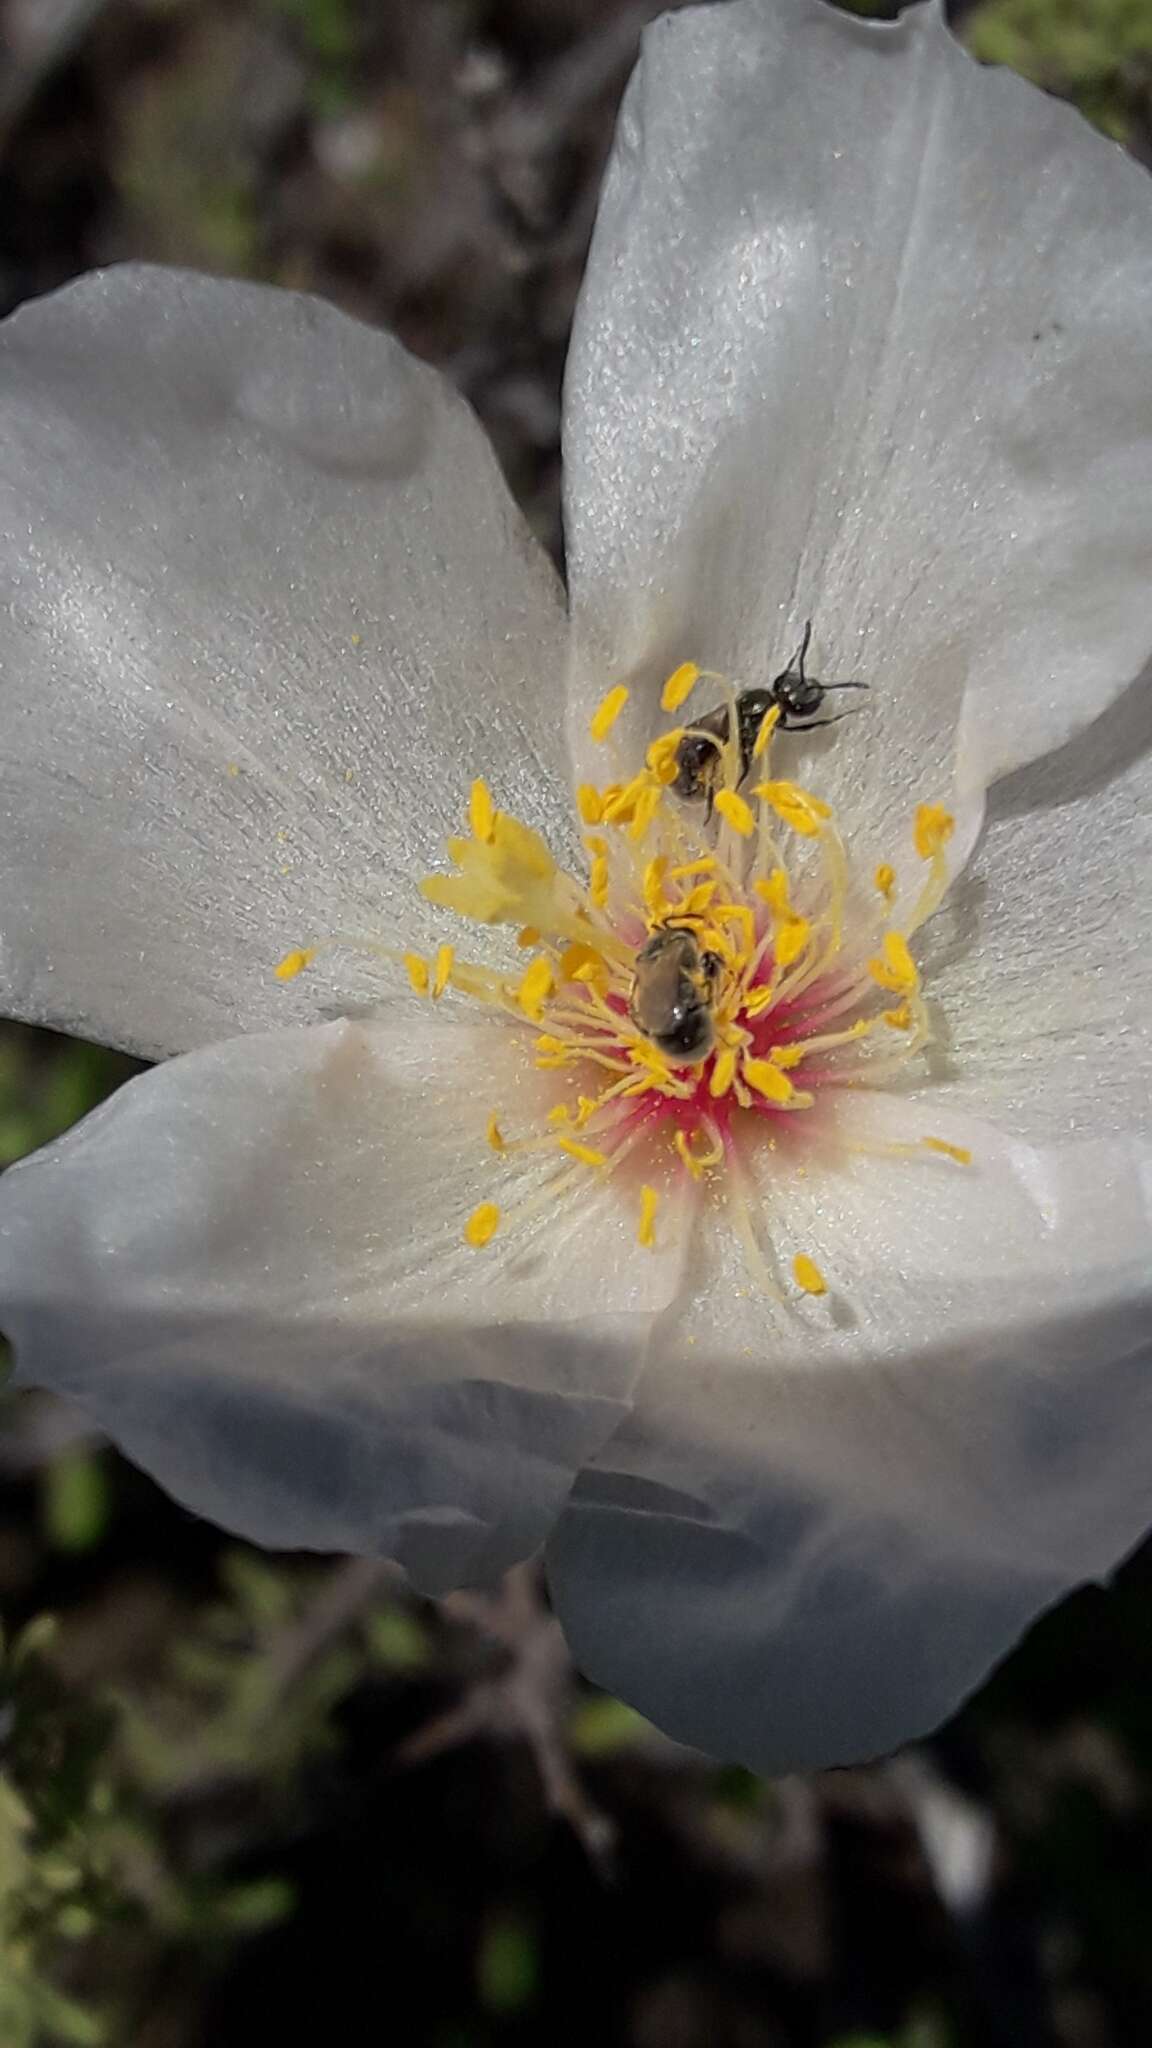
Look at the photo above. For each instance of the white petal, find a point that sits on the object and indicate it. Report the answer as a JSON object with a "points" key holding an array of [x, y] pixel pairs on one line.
{"points": [[1040, 963], [821, 1524], [265, 609], [864, 338], [249, 1268]]}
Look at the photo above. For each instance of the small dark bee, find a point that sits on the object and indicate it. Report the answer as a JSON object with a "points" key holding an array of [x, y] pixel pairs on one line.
{"points": [[674, 988], [797, 696]]}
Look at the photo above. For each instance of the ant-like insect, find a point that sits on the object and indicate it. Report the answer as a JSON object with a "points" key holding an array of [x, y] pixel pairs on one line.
{"points": [[796, 695]]}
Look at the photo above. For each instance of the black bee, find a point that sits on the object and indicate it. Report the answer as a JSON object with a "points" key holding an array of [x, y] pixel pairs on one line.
{"points": [[674, 988], [798, 697]]}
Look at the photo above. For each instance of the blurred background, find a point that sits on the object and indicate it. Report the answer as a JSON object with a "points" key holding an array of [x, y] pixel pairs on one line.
{"points": [[245, 1794]]}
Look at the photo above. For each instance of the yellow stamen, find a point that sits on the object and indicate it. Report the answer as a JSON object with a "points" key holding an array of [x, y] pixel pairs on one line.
{"points": [[535, 988], [706, 865], [295, 962], [647, 805], [796, 807], [586, 1154], [527, 936], [959, 1153], [723, 1073], [445, 955], [932, 830], [481, 812], [697, 900], [807, 1275], [768, 724], [897, 970], [679, 686], [482, 1225], [417, 968], [885, 880], [607, 712], [589, 803], [684, 1148], [598, 881], [495, 1135], [560, 1115], [899, 1019], [791, 939], [767, 1078], [735, 812], [646, 1232], [661, 756]]}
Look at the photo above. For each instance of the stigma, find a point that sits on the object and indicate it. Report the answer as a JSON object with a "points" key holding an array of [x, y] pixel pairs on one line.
{"points": [[703, 990]]}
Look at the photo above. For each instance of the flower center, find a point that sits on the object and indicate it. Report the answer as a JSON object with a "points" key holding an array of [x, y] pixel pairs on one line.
{"points": [[718, 973]]}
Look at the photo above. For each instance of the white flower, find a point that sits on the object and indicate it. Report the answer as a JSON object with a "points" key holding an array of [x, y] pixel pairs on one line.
{"points": [[864, 339]]}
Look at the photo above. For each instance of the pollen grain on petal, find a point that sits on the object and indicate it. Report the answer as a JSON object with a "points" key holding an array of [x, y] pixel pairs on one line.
{"points": [[295, 962], [607, 712], [482, 1225], [495, 1135], [885, 880], [418, 974], [807, 1275]]}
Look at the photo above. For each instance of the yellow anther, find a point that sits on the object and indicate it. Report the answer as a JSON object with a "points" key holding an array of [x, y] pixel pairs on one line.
{"points": [[577, 959], [586, 1106], [646, 1231], [760, 999], [768, 1079], [679, 686], [735, 812], [796, 807], [932, 830], [697, 900], [654, 898], [767, 727], [417, 968], [787, 1055], [586, 1154], [959, 1153], [896, 970], [791, 939], [774, 892], [723, 1072], [589, 803], [481, 812], [620, 806], [598, 881], [807, 1275], [560, 1115], [495, 1135], [295, 962], [607, 712], [522, 848], [661, 756], [885, 880], [899, 1019], [647, 805], [445, 955], [535, 988], [482, 1225], [527, 936], [706, 865]]}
